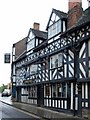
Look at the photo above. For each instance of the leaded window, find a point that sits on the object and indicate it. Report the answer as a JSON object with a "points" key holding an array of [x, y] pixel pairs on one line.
{"points": [[56, 61]]}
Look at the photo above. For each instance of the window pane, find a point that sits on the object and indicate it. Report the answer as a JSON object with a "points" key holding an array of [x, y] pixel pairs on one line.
{"points": [[58, 26], [47, 91], [40, 41], [30, 44], [56, 61], [62, 90], [59, 90], [64, 27], [36, 42], [33, 69], [60, 60], [54, 91]]}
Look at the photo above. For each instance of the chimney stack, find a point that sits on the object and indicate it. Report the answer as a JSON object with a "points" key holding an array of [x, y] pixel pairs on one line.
{"points": [[36, 26], [73, 3], [74, 12]]}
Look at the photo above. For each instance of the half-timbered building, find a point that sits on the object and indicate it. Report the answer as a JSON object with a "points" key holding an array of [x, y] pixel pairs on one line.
{"points": [[56, 68]]}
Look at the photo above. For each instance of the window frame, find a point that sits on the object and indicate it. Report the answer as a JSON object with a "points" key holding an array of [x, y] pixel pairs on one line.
{"points": [[55, 62], [54, 29]]}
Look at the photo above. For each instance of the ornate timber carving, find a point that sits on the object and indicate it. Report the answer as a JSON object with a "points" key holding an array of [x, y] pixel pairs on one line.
{"points": [[71, 40], [68, 40]]}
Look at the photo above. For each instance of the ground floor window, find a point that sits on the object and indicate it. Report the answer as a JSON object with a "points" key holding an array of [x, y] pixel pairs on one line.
{"points": [[56, 95], [46, 90], [32, 91], [56, 90], [59, 90]]}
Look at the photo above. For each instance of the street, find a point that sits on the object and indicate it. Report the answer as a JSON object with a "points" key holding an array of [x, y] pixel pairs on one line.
{"points": [[7, 111], [10, 110]]}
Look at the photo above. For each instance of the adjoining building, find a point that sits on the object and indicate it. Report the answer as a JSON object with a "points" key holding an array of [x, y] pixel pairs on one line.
{"points": [[18, 53], [55, 71]]}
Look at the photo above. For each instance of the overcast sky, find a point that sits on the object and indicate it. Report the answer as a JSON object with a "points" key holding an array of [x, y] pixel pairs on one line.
{"points": [[16, 17]]}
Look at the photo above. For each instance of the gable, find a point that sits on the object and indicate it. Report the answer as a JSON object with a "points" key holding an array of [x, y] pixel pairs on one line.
{"points": [[31, 35], [53, 19], [31, 40], [55, 16]]}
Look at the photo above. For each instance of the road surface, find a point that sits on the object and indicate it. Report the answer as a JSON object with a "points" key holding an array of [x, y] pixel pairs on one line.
{"points": [[7, 112]]}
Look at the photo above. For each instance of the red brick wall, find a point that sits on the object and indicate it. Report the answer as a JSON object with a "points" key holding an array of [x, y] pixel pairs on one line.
{"points": [[73, 3], [74, 13]]}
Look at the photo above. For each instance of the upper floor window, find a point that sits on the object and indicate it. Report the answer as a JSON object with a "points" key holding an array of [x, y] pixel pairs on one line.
{"points": [[30, 41], [36, 42], [40, 41], [54, 29], [33, 69], [64, 26], [56, 61], [31, 35], [31, 44]]}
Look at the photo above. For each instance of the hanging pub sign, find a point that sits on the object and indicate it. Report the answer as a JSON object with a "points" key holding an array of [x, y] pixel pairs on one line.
{"points": [[7, 58]]}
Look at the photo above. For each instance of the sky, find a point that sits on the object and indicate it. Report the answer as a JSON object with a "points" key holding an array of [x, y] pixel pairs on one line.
{"points": [[17, 17]]}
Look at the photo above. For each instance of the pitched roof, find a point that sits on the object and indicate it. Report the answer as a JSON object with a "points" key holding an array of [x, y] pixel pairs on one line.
{"points": [[84, 18], [21, 56], [40, 34], [60, 13]]}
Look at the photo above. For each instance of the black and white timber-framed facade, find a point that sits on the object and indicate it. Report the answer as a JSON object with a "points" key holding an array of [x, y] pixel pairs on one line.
{"points": [[55, 71]]}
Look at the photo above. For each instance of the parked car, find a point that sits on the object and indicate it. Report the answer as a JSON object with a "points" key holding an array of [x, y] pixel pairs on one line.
{"points": [[6, 92]]}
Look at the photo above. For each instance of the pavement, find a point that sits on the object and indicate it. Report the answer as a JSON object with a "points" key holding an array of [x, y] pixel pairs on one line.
{"points": [[40, 111]]}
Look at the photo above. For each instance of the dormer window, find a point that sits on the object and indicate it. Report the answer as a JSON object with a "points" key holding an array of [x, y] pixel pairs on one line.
{"points": [[64, 26], [35, 38], [30, 42], [31, 35], [40, 41], [36, 42], [56, 25], [54, 29]]}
